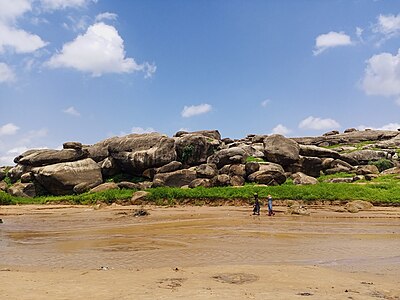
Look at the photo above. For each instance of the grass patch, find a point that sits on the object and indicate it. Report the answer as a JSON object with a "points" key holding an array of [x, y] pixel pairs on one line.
{"points": [[256, 159], [109, 197], [385, 189], [323, 178], [358, 146]]}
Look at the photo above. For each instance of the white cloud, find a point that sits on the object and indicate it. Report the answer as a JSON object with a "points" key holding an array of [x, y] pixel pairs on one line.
{"points": [[12, 9], [382, 75], [265, 102], [318, 123], [6, 73], [77, 23], [19, 40], [149, 69], [72, 111], [8, 129], [359, 33], [32, 135], [280, 129], [106, 16], [141, 130], [193, 110], [18, 150], [388, 25], [331, 40], [7, 160], [12, 37], [63, 4], [100, 50], [390, 126]]}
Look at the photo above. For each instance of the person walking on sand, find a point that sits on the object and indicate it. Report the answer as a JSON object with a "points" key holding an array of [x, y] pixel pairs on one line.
{"points": [[270, 211], [256, 207]]}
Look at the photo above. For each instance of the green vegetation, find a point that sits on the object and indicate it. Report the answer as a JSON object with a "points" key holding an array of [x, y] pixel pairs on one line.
{"points": [[382, 164], [109, 196], [187, 153], [385, 189], [324, 178], [256, 159], [358, 146], [125, 177]]}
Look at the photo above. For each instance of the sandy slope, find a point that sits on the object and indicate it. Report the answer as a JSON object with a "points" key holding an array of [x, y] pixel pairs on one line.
{"points": [[78, 252]]}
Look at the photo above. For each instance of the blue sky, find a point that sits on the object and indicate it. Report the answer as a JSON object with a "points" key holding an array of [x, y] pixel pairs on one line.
{"points": [[85, 70]]}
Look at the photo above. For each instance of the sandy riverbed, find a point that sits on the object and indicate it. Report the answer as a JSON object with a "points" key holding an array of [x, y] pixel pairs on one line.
{"points": [[79, 252]]}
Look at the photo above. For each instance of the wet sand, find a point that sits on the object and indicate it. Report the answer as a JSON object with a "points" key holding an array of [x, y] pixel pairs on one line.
{"points": [[79, 252]]}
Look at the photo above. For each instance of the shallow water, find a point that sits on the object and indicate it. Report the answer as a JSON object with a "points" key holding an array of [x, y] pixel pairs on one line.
{"points": [[81, 237]]}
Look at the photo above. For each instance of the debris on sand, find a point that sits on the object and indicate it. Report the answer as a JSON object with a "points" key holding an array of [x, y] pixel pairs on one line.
{"points": [[297, 209], [140, 213], [235, 278], [171, 283], [1, 221], [305, 294]]}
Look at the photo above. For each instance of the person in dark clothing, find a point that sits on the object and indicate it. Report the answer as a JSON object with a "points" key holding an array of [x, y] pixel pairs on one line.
{"points": [[256, 207], [270, 211]]}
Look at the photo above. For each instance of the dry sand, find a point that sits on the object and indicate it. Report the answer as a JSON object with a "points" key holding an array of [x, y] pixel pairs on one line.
{"points": [[79, 252]]}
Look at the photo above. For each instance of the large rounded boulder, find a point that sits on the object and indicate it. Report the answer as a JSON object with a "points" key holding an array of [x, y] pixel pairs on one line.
{"points": [[194, 149], [281, 150], [138, 152], [61, 178], [269, 174], [234, 155], [44, 157], [177, 178]]}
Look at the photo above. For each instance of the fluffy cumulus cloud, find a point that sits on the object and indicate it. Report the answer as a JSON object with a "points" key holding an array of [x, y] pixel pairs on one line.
{"points": [[11, 9], [8, 129], [318, 123], [280, 129], [63, 4], [14, 38], [98, 51], [382, 75], [194, 110], [331, 40], [6, 73], [19, 40], [72, 111]]}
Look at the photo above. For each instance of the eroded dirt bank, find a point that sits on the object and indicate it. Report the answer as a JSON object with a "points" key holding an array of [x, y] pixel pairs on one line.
{"points": [[79, 252]]}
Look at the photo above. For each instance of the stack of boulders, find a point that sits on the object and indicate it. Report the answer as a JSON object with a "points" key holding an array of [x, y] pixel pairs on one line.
{"points": [[202, 158]]}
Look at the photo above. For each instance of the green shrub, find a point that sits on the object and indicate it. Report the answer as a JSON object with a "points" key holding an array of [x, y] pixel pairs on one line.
{"points": [[382, 164], [5, 198], [125, 177]]}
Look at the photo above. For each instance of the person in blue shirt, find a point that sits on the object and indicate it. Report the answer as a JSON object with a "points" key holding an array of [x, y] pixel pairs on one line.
{"points": [[270, 211]]}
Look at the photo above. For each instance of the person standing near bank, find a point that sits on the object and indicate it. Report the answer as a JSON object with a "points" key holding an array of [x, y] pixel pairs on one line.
{"points": [[270, 211], [256, 207]]}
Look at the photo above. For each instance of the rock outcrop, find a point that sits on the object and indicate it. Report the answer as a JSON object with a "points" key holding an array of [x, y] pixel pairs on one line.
{"points": [[201, 159]]}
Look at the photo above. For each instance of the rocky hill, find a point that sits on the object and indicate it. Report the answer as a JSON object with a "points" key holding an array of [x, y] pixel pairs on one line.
{"points": [[202, 158]]}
